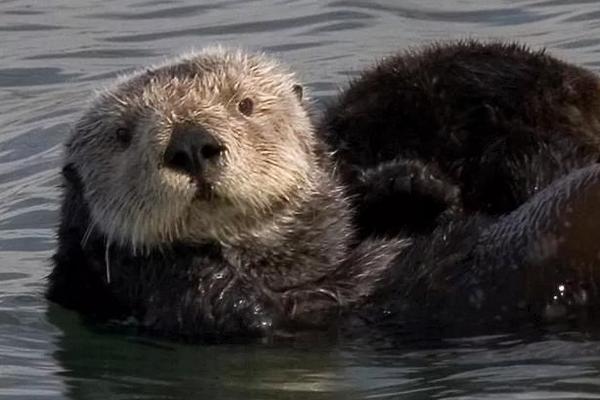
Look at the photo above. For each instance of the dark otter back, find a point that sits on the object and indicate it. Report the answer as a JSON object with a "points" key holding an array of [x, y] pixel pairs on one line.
{"points": [[495, 122]]}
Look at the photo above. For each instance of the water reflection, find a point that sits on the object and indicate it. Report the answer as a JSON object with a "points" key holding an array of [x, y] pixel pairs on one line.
{"points": [[99, 364]]}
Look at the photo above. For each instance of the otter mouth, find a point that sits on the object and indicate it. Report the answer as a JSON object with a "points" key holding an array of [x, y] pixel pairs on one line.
{"points": [[205, 190]]}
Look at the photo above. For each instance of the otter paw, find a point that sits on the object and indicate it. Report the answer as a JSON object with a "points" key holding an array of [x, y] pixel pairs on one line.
{"points": [[405, 194], [241, 311]]}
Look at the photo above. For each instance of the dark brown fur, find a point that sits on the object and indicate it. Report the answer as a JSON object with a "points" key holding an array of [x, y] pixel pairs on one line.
{"points": [[453, 145], [460, 128]]}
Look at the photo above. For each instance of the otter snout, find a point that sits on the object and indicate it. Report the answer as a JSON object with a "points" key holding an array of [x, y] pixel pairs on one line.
{"points": [[190, 149]]}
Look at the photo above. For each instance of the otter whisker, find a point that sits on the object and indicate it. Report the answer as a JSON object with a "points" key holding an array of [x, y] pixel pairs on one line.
{"points": [[329, 293], [88, 233], [107, 259]]}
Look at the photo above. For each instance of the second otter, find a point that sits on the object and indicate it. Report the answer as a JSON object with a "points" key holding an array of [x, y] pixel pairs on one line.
{"points": [[460, 128], [199, 201]]}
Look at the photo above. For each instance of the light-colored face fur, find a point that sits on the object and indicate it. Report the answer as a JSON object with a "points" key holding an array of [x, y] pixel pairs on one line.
{"points": [[118, 149]]}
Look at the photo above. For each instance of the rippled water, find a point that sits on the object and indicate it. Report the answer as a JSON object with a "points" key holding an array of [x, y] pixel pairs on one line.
{"points": [[53, 53]]}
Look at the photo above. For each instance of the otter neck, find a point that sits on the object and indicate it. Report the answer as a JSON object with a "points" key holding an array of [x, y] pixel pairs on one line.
{"points": [[299, 243]]}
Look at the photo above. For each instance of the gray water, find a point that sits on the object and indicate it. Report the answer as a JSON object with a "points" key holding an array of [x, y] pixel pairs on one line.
{"points": [[53, 53]]}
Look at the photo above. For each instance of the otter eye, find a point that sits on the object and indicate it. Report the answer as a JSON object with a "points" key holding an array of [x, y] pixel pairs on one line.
{"points": [[246, 106], [123, 135]]}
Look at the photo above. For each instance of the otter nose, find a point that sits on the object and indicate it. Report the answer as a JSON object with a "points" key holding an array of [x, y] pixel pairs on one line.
{"points": [[190, 149]]}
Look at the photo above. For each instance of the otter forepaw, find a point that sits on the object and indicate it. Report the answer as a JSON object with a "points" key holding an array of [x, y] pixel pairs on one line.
{"points": [[241, 311], [407, 194]]}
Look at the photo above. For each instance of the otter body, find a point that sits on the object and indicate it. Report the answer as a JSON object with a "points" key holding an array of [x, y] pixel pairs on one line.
{"points": [[460, 128], [199, 201]]}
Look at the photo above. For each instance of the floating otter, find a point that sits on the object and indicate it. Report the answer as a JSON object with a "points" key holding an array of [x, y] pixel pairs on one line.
{"points": [[460, 128], [199, 201]]}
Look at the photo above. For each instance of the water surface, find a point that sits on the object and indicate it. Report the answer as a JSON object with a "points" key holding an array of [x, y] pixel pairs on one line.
{"points": [[54, 53]]}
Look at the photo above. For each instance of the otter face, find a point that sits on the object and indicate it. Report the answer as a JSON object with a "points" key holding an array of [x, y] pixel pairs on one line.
{"points": [[198, 149]]}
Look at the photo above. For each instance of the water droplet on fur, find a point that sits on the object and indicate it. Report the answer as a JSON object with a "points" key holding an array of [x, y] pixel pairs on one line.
{"points": [[219, 275]]}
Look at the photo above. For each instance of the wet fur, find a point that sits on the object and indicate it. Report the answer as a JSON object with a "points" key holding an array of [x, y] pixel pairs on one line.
{"points": [[286, 259], [269, 249], [207, 291], [459, 128]]}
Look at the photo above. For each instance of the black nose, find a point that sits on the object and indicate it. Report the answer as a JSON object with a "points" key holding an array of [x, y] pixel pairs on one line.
{"points": [[190, 149]]}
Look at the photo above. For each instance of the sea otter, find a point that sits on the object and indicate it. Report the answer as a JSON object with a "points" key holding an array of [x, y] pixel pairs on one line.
{"points": [[458, 128], [199, 203]]}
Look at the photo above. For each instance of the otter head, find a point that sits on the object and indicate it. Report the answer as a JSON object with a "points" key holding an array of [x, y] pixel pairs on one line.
{"points": [[204, 148]]}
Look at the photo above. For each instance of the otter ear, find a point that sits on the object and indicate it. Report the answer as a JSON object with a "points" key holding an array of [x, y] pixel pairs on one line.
{"points": [[70, 173], [71, 176], [298, 91]]}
